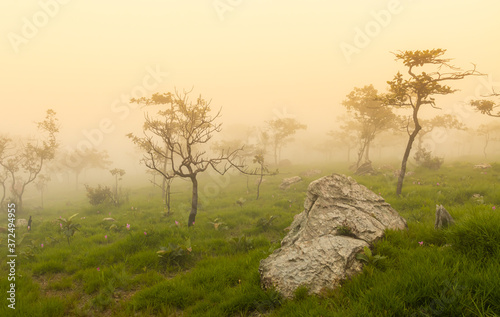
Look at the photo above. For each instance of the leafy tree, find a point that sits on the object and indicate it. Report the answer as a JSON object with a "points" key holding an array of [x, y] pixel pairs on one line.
{"points": [[368, 118], [280, 132], [177, 135], [24, 161], [418, 90], [446, 121], [41, 184], [346, 137], [78, 161], [488, 131]]}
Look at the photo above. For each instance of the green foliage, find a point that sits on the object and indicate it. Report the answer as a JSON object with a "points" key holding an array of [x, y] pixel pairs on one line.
{"points": [[370, 259], [301, 293], [242, 243], [68, 227], [48, 267], [453, 273], [175, 254], [345, 230], [477, 236], [99, 195], [425, 159], [264, 223]]}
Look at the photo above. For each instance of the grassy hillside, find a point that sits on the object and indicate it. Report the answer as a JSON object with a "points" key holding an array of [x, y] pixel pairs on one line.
{"points": [[211, 269]]}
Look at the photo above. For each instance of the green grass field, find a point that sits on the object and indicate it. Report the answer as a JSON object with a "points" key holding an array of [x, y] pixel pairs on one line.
{"points": [[211, 269]]}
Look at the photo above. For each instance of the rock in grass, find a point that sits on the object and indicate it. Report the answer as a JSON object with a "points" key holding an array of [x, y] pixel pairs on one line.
{"points": [[443, 218], [340, 218], [108, 219], [287, 182], [21, 222]]}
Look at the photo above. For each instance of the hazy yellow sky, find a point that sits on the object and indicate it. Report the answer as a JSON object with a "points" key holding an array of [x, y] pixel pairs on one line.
{"points": [[255, 59]]}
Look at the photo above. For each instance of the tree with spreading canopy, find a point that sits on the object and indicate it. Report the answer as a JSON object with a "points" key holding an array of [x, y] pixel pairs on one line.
{"points": [[280, 132], [177, 135], [24, 161], [368, 117], [78, 161], [418, 90]]}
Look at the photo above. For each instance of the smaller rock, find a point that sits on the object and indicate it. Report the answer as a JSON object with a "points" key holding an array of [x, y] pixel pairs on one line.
{"points": [[482, 165], [443, 218], [108, 219], [365, 169], [287, 182], [21, 222], [310, 173]]}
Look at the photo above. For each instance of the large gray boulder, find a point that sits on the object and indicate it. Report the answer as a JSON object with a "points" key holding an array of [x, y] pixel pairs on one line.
{"points": [[340, 217]]}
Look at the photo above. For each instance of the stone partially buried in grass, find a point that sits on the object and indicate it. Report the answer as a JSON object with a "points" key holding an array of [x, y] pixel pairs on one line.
{"points": [[317, 253]]}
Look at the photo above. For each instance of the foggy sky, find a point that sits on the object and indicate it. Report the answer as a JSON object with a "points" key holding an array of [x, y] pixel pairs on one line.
{"points": [[258, 60]]}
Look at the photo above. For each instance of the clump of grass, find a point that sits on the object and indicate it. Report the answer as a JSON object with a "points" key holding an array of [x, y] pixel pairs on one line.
{"points": [[477, 236], [48, 267], [345, 230]]}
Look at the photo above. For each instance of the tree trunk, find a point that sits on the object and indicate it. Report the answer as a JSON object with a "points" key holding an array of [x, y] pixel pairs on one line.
{"points": [[405, 159], [275, 154], [367, 151], [194, 202], [76, 180], [3, 195], [167, 196], [486, 145], [260, 181], [361, 153]]}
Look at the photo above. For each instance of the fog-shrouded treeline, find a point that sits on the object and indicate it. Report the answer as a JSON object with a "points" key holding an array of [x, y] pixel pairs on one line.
{"points": [[181, 133]]}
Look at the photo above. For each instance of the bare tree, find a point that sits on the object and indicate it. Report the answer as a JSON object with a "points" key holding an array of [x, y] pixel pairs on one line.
{"points": [[418, 90], [176, 135], [23, 162]]}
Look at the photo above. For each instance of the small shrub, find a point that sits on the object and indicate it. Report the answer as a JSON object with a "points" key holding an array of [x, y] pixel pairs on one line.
{"points": [[242, 244], [68, 227], [371, 260], [99, 195], [301, 293], [264, 223], [425, 159], [175, 254], [345, 230]]}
